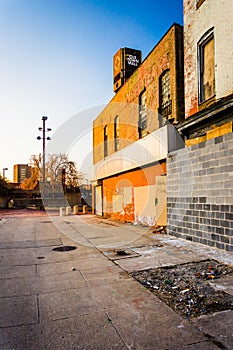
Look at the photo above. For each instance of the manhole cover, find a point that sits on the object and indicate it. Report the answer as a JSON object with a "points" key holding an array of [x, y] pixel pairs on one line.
{"points": [[64, 248]]}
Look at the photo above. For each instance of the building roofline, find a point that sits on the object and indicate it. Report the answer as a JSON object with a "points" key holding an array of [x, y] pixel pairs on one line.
{"points": [[172, 26]]}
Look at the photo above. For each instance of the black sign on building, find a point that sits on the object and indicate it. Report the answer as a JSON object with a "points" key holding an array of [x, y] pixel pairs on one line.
{"points": [[125, 61]]}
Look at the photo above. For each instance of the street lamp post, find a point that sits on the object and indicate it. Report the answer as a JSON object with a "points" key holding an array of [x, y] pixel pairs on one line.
{"points": [[44, 118], [3, 172]]}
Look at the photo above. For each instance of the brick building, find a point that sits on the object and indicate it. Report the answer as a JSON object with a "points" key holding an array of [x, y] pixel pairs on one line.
{"points": [[131, 137], [199, 177], [208, 69]]}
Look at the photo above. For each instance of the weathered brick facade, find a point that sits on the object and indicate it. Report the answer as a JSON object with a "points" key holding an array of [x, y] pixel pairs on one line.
{"points": [[200, 192], [199, 18], [167, 54], [199, 176], [132, 186]]}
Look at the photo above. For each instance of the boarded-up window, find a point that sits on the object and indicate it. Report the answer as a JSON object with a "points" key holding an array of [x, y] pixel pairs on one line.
{"points": [[206, 67], [208, 70]]}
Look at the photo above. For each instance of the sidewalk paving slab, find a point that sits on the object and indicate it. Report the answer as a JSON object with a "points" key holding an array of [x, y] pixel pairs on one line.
{"points": [[38, 285], [91, 331], [219, 326], [225, 284], [18, 271], [21, 310]]}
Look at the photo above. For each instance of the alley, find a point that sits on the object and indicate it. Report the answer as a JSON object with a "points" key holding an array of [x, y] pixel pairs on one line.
{"points": [[84, 298]]}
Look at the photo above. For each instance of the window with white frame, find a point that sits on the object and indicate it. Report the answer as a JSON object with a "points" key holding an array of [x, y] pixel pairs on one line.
{"points": [[206, 66]]}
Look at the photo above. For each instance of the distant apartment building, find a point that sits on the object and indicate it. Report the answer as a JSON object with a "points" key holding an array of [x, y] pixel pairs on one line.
{"points": [[21, 172], [133, 134]]}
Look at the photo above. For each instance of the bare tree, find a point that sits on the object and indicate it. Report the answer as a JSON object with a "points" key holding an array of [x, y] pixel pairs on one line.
{"points": [[72, 178], [60, 173]]}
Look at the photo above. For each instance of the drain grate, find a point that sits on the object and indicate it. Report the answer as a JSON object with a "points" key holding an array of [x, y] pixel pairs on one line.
{"points": [[64, 248]]}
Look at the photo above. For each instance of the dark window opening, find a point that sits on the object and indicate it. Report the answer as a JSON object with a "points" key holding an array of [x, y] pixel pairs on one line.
{"points": [[116, 133], [165, 102], [142, 123], [105, 141]]}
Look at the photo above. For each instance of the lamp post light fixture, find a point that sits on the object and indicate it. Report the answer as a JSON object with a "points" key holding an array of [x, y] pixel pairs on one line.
{"points": [[3, 172], [44, 138]]}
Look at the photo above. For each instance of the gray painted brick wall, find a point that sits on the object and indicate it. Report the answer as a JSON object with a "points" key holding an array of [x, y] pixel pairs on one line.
{"points": [[200, 193]]}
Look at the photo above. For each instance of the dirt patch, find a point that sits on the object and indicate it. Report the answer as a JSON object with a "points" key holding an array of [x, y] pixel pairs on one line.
{"points": [[186, 289]]}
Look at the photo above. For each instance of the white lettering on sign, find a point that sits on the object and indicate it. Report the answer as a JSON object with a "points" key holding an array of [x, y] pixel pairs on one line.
{"points": [[132, 60]]}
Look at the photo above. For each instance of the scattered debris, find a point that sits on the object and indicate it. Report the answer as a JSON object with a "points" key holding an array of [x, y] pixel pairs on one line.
{"points": [[160, 229], [186, 289], [117, 254], [109, 320], [73, 269]]}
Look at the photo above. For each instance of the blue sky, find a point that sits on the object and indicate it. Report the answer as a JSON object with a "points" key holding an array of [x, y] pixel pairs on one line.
{"points": [[56, 60]]}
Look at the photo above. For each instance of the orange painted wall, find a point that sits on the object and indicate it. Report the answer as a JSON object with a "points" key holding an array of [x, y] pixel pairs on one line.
{"points": [[141, 177]]}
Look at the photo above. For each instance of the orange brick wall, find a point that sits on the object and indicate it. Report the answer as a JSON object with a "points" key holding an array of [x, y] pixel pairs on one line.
{"points": [[167, 54]]}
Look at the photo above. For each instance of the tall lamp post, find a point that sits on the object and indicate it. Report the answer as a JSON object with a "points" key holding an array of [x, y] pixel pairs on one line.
{"points": [[43, 138], [3, 172]]}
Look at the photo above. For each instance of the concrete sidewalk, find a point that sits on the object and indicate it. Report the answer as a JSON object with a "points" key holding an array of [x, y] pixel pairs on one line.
{"points": [[84, 298]]}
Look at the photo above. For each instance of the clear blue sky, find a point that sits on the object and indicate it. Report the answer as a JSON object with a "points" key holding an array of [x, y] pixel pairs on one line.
{"points": [[56, 60]]}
